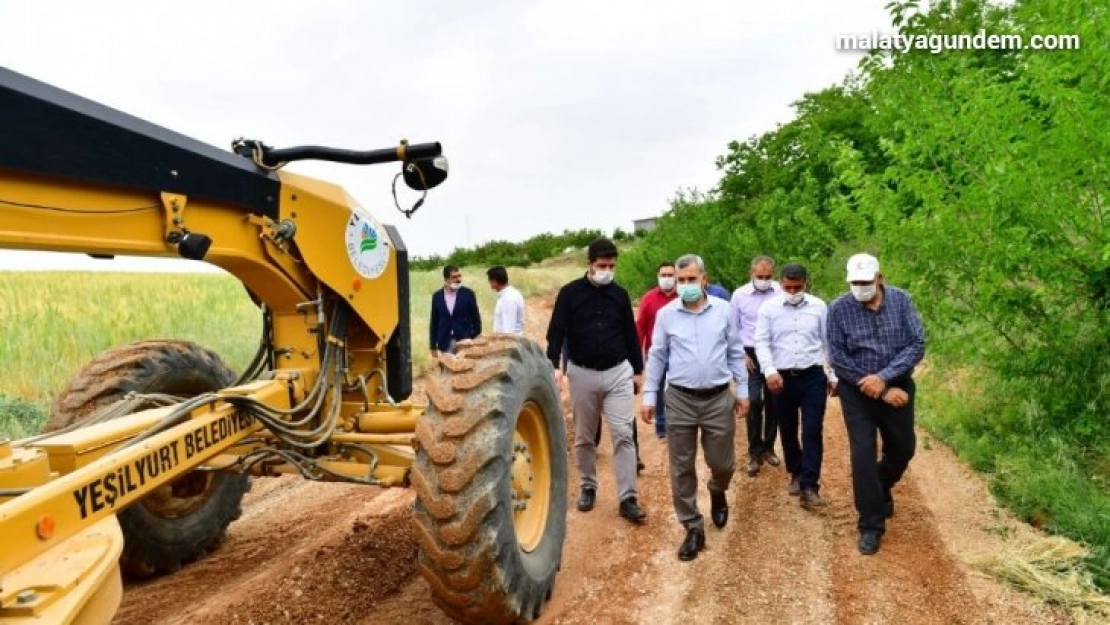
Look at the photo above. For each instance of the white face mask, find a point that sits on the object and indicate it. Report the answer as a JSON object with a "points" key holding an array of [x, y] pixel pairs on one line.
{"points": [[761, 285], [864, 293], [455, 285], [795, 298], [603, 277], [666, 284]]}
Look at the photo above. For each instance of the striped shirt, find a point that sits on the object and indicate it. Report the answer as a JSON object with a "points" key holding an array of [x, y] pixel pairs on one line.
{"points": [[889, 341]]}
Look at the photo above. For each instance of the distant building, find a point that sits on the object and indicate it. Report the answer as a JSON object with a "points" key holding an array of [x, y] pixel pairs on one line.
{"points": [[640, 226]]}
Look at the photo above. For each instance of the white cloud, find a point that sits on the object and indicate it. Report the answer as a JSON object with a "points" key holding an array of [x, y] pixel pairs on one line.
{"points": [[554, 114]]}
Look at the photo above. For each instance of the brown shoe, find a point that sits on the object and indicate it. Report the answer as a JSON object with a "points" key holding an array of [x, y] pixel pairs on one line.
{"points": [[810, 499], [795, 488], [753, 467], [770, 458]]}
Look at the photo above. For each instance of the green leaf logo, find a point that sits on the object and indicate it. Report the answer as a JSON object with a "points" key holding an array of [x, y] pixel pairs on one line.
{"points": [[369, 239]]}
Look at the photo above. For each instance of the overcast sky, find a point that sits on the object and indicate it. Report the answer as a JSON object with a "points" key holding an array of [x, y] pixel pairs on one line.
{"points": [[554, 114]]}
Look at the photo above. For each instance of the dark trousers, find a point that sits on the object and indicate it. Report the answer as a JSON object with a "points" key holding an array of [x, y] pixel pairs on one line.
{"points": [[805, 393], [710, 419], [872, 478], [762, 424]]}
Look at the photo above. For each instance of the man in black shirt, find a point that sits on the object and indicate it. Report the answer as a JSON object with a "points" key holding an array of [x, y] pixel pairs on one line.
{"points": [[593, 317]]}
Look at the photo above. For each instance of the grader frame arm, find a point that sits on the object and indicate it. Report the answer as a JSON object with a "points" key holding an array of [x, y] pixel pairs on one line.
{"points": [[327, 396]]}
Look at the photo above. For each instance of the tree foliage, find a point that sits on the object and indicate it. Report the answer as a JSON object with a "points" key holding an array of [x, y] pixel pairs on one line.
{"points": [[980, 179], [509, 254]]}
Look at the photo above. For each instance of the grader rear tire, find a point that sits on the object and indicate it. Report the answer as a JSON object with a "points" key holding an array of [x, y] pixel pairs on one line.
{"points": [[181, 521], [491, 482]]}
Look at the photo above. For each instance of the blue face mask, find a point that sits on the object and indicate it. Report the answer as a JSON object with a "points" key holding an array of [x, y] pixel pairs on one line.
{"points": [[689, 292]]}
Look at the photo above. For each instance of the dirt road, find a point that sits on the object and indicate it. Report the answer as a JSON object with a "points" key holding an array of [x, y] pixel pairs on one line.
{"points": [[332, 553]]}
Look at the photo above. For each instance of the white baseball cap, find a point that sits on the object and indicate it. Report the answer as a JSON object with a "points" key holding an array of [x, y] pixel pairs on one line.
{"points": [[862, 268]]}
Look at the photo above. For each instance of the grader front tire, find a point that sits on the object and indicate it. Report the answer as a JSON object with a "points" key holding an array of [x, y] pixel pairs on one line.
{"points": [[491, 482], [181, 521]]}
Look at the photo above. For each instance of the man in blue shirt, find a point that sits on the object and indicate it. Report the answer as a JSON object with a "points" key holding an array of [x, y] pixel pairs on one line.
{"points": [[698, 347], [875, 340]]}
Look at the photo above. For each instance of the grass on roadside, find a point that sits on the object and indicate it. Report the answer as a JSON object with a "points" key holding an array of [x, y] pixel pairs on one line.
{"points": [[1052, 569], [1042, 476]]}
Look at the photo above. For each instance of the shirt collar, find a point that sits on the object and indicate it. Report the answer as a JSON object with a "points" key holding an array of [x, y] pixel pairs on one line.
{"points": [[708, 305]]}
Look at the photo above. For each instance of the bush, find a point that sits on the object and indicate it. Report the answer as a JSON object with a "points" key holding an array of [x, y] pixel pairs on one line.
{"points": [[19, 418], [524, 254]]}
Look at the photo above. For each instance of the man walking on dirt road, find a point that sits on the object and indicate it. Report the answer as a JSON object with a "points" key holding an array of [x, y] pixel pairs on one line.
{"points": [[790, 346], [696, 344], [876, 338], [593, 318], [745, 303]]}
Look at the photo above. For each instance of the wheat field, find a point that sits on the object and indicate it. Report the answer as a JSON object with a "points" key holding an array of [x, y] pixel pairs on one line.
{"points": [[53, 323]]}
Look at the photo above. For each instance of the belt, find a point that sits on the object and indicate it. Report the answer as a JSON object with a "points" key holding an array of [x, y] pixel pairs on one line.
{"points": [[700, 392], [796, 372], [598, 367]]}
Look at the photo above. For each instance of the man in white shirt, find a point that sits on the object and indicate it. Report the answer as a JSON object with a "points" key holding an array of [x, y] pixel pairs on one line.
{"points": [[791, 347], [508, 314]]}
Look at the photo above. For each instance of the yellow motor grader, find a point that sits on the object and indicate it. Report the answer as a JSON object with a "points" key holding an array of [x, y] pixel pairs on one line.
{"points": [[151, 447]]}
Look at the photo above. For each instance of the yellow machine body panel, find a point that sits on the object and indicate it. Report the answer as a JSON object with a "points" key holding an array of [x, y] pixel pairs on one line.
{"points": [[328, 219]]}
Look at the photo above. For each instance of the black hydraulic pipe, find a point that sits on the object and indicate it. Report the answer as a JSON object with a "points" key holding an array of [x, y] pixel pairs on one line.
{"points": [[369, 157]]}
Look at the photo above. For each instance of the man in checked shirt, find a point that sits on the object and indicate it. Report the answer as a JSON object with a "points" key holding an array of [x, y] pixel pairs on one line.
{"points": [[875, 340]]}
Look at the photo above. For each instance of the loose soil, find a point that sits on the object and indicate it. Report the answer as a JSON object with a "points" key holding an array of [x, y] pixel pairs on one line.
{"points": [[306, 552]]}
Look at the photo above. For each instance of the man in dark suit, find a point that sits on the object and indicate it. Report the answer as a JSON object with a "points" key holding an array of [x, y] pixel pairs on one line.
{"points": [[455, 315]]}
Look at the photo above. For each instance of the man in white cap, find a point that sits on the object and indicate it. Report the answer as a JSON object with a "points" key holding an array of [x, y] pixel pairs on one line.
{"points": [[875, 339]]}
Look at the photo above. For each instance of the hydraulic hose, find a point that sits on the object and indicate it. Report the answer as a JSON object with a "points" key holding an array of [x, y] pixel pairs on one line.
{"points": [[403, 152]]}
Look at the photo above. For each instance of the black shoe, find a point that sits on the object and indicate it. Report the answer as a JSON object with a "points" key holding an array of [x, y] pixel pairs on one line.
{"points": [[632, 511], [753, 467], [795, 487], [770, 458], [810, 499], [586, 501], [694, 542], [718, 508], [888, 505], [869, 542]]}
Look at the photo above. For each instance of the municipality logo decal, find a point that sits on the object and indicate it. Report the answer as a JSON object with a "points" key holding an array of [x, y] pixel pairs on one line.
{"points": [[369, 238], [367, 246]]}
